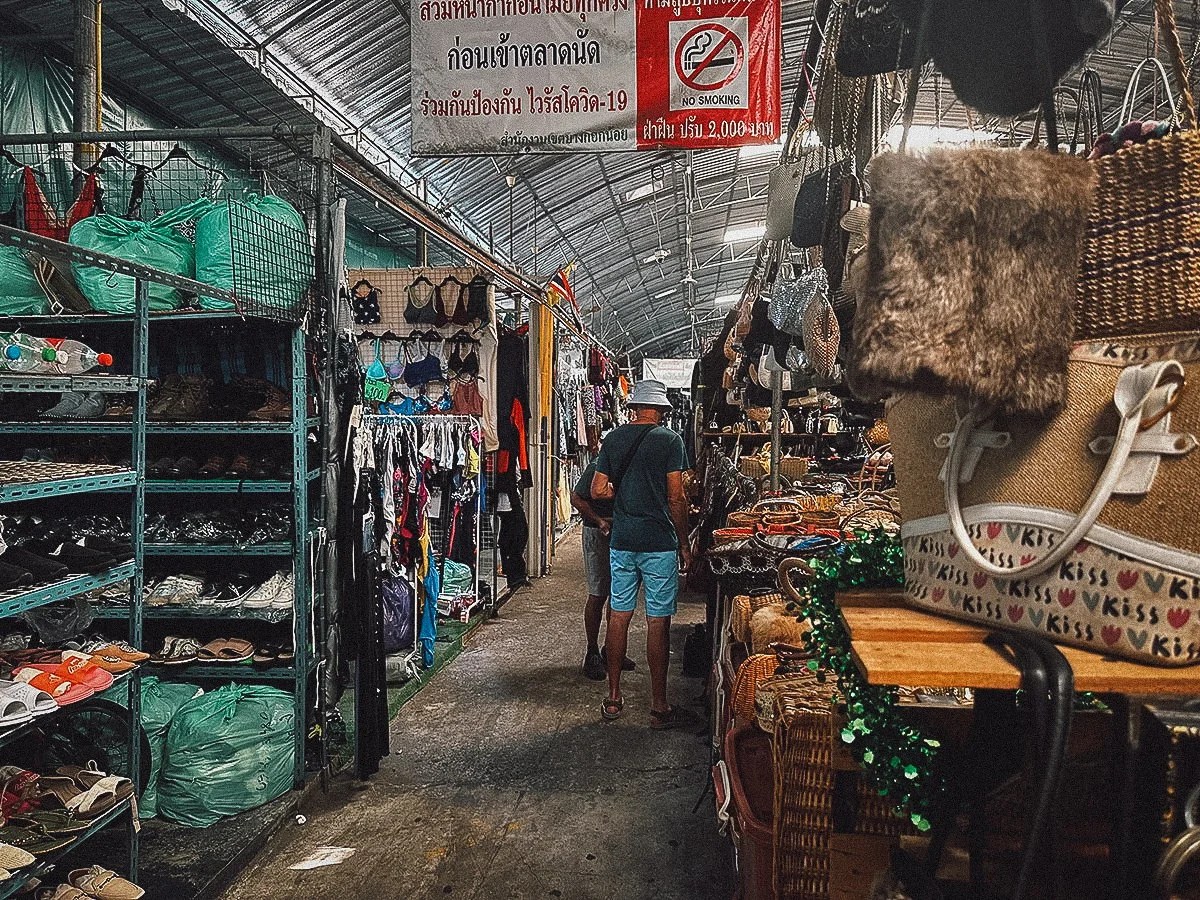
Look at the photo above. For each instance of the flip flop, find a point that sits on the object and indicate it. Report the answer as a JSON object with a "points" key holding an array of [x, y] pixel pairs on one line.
{"points": [[39, 702], [104, 884], [266, 654], [610, 710], [226, 650], [14, 711], [63, 691]]}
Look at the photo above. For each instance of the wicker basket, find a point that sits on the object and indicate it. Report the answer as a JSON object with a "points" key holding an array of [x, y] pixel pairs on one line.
{"points": [[743, 518], [745, 684], [724, 536], [1140, 267], [744, 608], [793, 467], [806, 763], [766, 707]]}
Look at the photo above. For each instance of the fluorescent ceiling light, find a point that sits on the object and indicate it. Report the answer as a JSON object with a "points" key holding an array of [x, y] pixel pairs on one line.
{"points": [[727, 300], [742, 234], [666, 293], [646, 190]]}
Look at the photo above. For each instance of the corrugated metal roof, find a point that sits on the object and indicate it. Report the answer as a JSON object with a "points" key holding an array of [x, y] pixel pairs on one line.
{"points": [[622, 216]]}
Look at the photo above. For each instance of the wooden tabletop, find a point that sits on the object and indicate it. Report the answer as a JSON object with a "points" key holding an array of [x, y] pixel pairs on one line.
{"points": [[896, 644]]}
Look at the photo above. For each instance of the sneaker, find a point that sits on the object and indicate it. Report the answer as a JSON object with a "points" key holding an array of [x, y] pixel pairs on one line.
{"points": [[264, 595], [214, 467], [593, 666], [91, 406], [66, 406], [286, 598]]}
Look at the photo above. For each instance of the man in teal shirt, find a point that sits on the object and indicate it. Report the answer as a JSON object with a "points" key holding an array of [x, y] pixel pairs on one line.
{"points": [[640, 467]]}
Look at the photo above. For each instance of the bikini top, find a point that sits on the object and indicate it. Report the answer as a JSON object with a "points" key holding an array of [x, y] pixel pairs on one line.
{"points": [[377, 371], [364, 300], [395, 369], [461, 311], [423, 302], [460, 365], [422, 370]]}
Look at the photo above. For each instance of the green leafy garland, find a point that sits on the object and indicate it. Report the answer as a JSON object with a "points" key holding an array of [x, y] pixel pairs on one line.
{"points": [[894, 755]]}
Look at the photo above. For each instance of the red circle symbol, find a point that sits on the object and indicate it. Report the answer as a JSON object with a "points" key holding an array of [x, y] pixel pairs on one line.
{"points": [[709, 57]]}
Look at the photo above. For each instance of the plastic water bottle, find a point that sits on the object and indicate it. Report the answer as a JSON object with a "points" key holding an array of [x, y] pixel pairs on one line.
{"points": [[26, 353], [75, 358]]}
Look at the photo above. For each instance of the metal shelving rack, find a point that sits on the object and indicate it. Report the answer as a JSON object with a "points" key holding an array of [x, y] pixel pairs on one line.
{"points": [[297, 481], [33, 481]]}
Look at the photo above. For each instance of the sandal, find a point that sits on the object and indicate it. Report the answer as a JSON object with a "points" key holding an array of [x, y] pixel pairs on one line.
{"points": [[55, 790], [39, 702], [114, 665], [104, 884], [14, 857], [226, 650], [51, 821], [94, 802], [33, 840], [92, 777], [610, 710], [78, 670]]}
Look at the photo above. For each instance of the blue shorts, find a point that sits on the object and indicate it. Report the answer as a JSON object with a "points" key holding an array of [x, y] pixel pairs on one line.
{"points": [[659, 572]]}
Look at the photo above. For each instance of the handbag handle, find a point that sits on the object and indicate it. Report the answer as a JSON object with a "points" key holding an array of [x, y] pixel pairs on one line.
{"points": [[1170, 32], [1137, 387], [1131, 90], [1174, 860]]}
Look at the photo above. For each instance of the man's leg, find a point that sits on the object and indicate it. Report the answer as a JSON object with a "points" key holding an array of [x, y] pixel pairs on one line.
{"points": [[658, 654], [625, 580], [595, 563], [592, 614], [660, 572]]}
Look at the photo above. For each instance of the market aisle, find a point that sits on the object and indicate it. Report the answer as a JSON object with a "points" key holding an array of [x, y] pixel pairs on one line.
{"points": [[504, 783]]}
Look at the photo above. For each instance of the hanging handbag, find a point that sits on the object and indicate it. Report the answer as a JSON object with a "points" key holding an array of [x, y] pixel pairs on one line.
{"points": [[1081, 528], [791, 296], [838, 99], [784, 182], [1140, 271], [596, 367], [874, 40], [822, 335], [813, 200]]}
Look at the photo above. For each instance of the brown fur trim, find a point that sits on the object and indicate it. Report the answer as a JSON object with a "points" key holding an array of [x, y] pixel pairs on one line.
{"points": [[773, 624], [972, 259]]}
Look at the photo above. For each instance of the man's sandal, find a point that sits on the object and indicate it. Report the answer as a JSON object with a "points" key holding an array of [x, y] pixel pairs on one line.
{"points": [[661, 721], [610, 710]]}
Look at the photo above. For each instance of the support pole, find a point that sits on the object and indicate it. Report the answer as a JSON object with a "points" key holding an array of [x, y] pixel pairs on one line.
{"points": [[776, 430], [422, 247], [87, 89]]}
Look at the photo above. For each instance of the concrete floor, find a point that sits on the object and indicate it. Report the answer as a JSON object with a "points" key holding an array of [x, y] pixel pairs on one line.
{"points": [[504, 783]]}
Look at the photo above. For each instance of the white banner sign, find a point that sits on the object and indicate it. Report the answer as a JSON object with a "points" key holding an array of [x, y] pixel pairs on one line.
{"points": [[674, 373], [540, 74]]}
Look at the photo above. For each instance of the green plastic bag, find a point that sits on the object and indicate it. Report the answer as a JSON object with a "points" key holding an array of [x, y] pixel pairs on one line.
{"points": [[20, 293], [161, 700], [266, 239], [227, 751], [156, 244]]}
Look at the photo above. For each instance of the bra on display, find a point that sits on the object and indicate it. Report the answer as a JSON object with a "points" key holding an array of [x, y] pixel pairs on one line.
{"points": [[422, 305]]}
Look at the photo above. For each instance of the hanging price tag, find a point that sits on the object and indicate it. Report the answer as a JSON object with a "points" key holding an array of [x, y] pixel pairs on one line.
{"points": [[377, 391]]}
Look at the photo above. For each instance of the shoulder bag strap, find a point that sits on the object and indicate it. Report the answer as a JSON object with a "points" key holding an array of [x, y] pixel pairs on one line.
{"points": [[619, 476]]}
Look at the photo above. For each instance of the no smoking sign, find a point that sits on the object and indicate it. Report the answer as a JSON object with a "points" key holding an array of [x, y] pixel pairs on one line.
{"points": [[708, 64]]}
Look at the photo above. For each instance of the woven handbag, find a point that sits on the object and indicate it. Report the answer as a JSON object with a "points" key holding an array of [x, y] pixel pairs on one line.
{"points": [[1140, 267], [756, 668], [1082, 528]]}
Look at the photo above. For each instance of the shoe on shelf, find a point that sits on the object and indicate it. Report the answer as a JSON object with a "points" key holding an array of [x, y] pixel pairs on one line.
{"points": [[80, 560], [264, 595], [164, 396], [189, 403], [66, 406], [176, 651], [286, 598], [42, 569], [185, 467], [160, 467], [265, 468], [114, 547], [91, 406], [14, 577], [232, 593], [102, 647], [104, 884], [277, 408], [214, 467], [118, 408], [38, 454], [240, 468]]}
